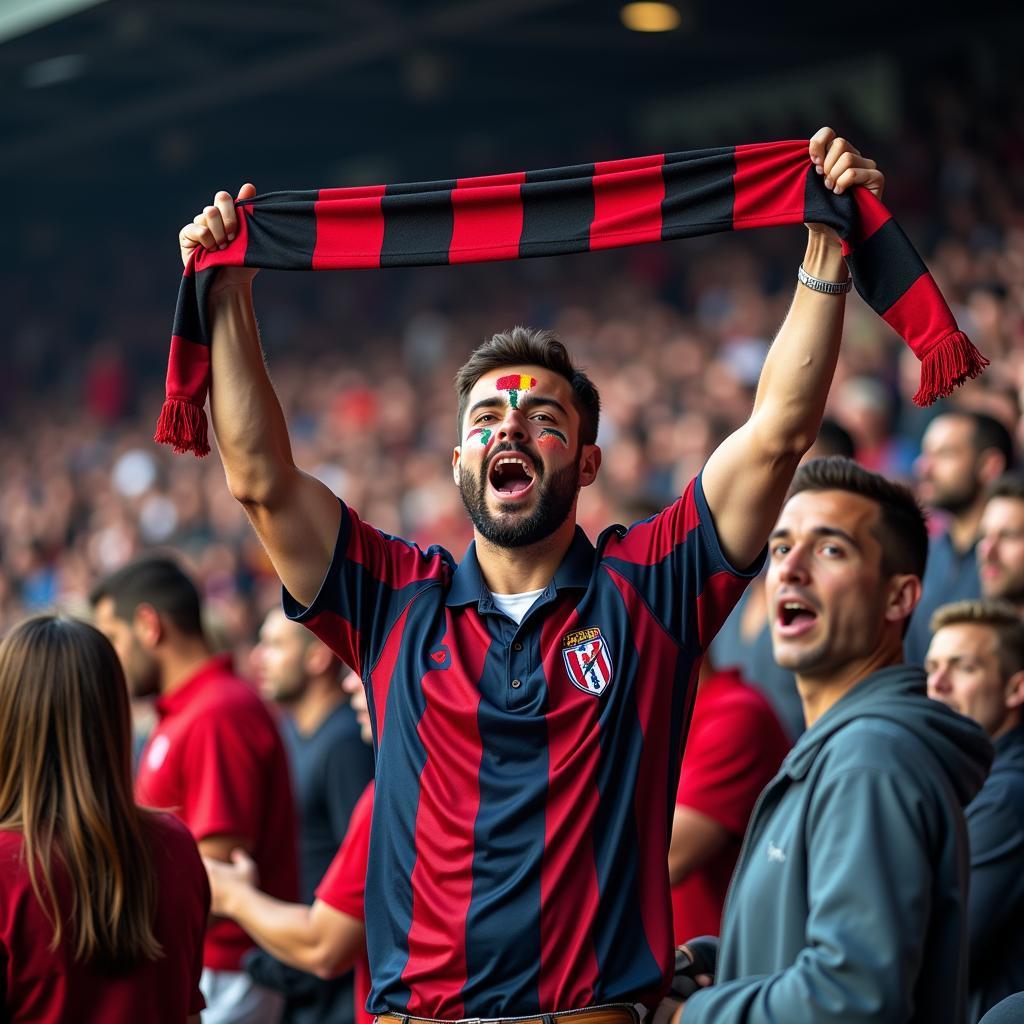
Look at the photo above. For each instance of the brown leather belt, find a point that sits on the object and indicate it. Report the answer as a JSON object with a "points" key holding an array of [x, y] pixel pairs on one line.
{"points": [[618, 1013]]}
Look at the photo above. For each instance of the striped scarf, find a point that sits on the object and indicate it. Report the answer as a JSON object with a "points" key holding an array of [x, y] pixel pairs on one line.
{"points": [[565, 210]]}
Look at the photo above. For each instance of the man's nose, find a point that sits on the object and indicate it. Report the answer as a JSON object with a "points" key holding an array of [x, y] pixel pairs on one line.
{"points": [[938, 681], [794, 565], [513, 426], [986, 549]]}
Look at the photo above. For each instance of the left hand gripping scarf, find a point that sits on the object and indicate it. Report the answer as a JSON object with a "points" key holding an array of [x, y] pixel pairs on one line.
{"points": [[558, 211]]}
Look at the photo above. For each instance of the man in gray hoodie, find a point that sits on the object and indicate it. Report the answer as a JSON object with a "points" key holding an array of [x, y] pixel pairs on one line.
{"points": [[848, 898]]}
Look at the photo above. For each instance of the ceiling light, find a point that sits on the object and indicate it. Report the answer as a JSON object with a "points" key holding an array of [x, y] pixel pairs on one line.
{"points": [[650, 17]]}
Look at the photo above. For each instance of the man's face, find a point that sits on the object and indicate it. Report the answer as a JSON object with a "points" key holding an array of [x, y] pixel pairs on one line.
{"points": [[964, 672], [279, 659], [141, 669], [1001, 549], [520, 465], [353, 686], [947, 470], [827, 597]]}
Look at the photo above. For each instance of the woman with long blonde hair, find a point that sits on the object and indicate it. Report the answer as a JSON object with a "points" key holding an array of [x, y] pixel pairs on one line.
{"points": [[103, 904]]}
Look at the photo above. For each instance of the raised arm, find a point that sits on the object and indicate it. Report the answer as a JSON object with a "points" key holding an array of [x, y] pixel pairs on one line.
{"points": [[295, 516], [746, 478]]}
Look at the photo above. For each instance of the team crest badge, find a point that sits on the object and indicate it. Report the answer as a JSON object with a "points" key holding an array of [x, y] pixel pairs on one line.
{"points": [[587, 660]]}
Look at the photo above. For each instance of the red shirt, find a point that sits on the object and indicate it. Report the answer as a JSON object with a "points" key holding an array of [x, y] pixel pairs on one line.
{"points": [[47, 987], [734, 749], [343, 885], [216, 760]]}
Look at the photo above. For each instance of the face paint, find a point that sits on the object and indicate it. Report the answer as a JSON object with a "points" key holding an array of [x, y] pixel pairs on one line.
{"points": [[513, 383], [484, 434], [549, 436]]}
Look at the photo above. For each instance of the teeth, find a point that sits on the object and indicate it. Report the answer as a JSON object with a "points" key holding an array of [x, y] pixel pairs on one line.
{"points": [[514, 462], [793, 606]]}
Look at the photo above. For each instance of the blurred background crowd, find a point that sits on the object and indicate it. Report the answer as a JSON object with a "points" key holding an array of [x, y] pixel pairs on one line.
{"points": [[674, 335]]}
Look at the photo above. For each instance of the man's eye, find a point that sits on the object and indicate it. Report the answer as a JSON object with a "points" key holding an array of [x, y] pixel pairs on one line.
{"points": [[832, 549], [779, 549]]}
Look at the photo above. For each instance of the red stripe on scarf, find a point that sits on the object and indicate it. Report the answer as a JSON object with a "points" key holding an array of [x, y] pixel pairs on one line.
{"points": [[352, 234], [767, 189], [872, 213], [488, 218], [627, 202]]}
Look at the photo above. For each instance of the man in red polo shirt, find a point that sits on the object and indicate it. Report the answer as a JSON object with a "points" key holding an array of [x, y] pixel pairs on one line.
{"points": [[328, 937], [734, 749], [215, 759]]}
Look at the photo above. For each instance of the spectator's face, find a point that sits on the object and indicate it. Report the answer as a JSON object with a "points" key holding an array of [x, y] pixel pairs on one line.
{"points": [[1001, 549], [353, 686], [964, 672], [947, 470], [829, 602], [279, 659], [520, 465], [141, 669]]}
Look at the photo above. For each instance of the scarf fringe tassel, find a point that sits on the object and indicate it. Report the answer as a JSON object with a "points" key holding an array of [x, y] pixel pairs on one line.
{"points": [[952, 361], [182, 425]]}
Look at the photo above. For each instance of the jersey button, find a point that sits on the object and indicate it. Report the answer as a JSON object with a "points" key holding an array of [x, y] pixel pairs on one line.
{"points": [[517, 646], [516, 683]]}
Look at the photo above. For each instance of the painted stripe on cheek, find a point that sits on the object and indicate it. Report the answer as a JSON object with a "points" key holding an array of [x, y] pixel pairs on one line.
{"points": [[549, 436]]}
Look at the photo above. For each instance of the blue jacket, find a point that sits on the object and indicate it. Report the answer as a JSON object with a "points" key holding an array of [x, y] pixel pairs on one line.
{"points": [[995, 829], [847, 904]]}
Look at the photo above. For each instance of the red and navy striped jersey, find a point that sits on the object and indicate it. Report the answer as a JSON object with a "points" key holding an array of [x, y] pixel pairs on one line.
{"points": [[526, 774]]}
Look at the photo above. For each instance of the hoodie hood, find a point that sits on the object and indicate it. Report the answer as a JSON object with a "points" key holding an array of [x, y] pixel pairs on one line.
{"points": [[899, 694]]}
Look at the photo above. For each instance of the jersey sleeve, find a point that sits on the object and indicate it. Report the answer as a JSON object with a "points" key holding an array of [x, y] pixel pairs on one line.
{"points": [[344, 882], [727, 762], [677, 564], [371, 579]]}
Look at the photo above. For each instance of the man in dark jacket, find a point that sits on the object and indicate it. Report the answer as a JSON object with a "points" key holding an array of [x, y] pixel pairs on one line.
{"points": [[975, 665], [847, 903]]}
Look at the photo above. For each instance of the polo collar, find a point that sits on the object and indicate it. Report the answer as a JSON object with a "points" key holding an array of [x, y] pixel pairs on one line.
{"points": [[213, 669], [468, 585]]}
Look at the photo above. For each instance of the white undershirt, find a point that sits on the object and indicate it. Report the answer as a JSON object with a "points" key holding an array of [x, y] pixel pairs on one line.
{"points": [[515, 606]]}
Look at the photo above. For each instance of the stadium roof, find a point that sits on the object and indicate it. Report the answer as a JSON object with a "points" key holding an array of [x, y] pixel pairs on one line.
{"points": [[119, 101]]}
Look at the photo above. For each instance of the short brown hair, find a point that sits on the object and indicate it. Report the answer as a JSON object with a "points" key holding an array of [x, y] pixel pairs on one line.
{"points": [[530, 345], [1009, 485], [1000, 616], [902, 531]]}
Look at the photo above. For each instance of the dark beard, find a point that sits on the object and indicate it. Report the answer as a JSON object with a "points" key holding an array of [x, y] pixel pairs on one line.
{"points": [[957, 501], [555, 497]]}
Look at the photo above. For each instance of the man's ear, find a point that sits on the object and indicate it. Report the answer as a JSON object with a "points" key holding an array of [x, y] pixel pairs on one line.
{"points": [[317, 659], [147, 626], [590, 463], [991, 464], [1015, 690], [456, 471], [904, 593]]}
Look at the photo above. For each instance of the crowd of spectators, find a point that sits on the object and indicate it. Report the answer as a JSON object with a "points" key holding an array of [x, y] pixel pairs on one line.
{"points": [[674, 336]]}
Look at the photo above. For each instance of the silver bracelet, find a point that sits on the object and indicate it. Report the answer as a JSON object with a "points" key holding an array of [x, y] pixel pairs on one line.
{"points": [[827, 287]]}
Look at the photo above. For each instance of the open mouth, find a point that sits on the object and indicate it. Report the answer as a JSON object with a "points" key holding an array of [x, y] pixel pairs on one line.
{"points": [[511, 476], [794, 617]]}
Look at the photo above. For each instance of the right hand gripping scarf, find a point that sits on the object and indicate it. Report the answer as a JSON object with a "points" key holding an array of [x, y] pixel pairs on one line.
{"points": [[558, 211]]}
